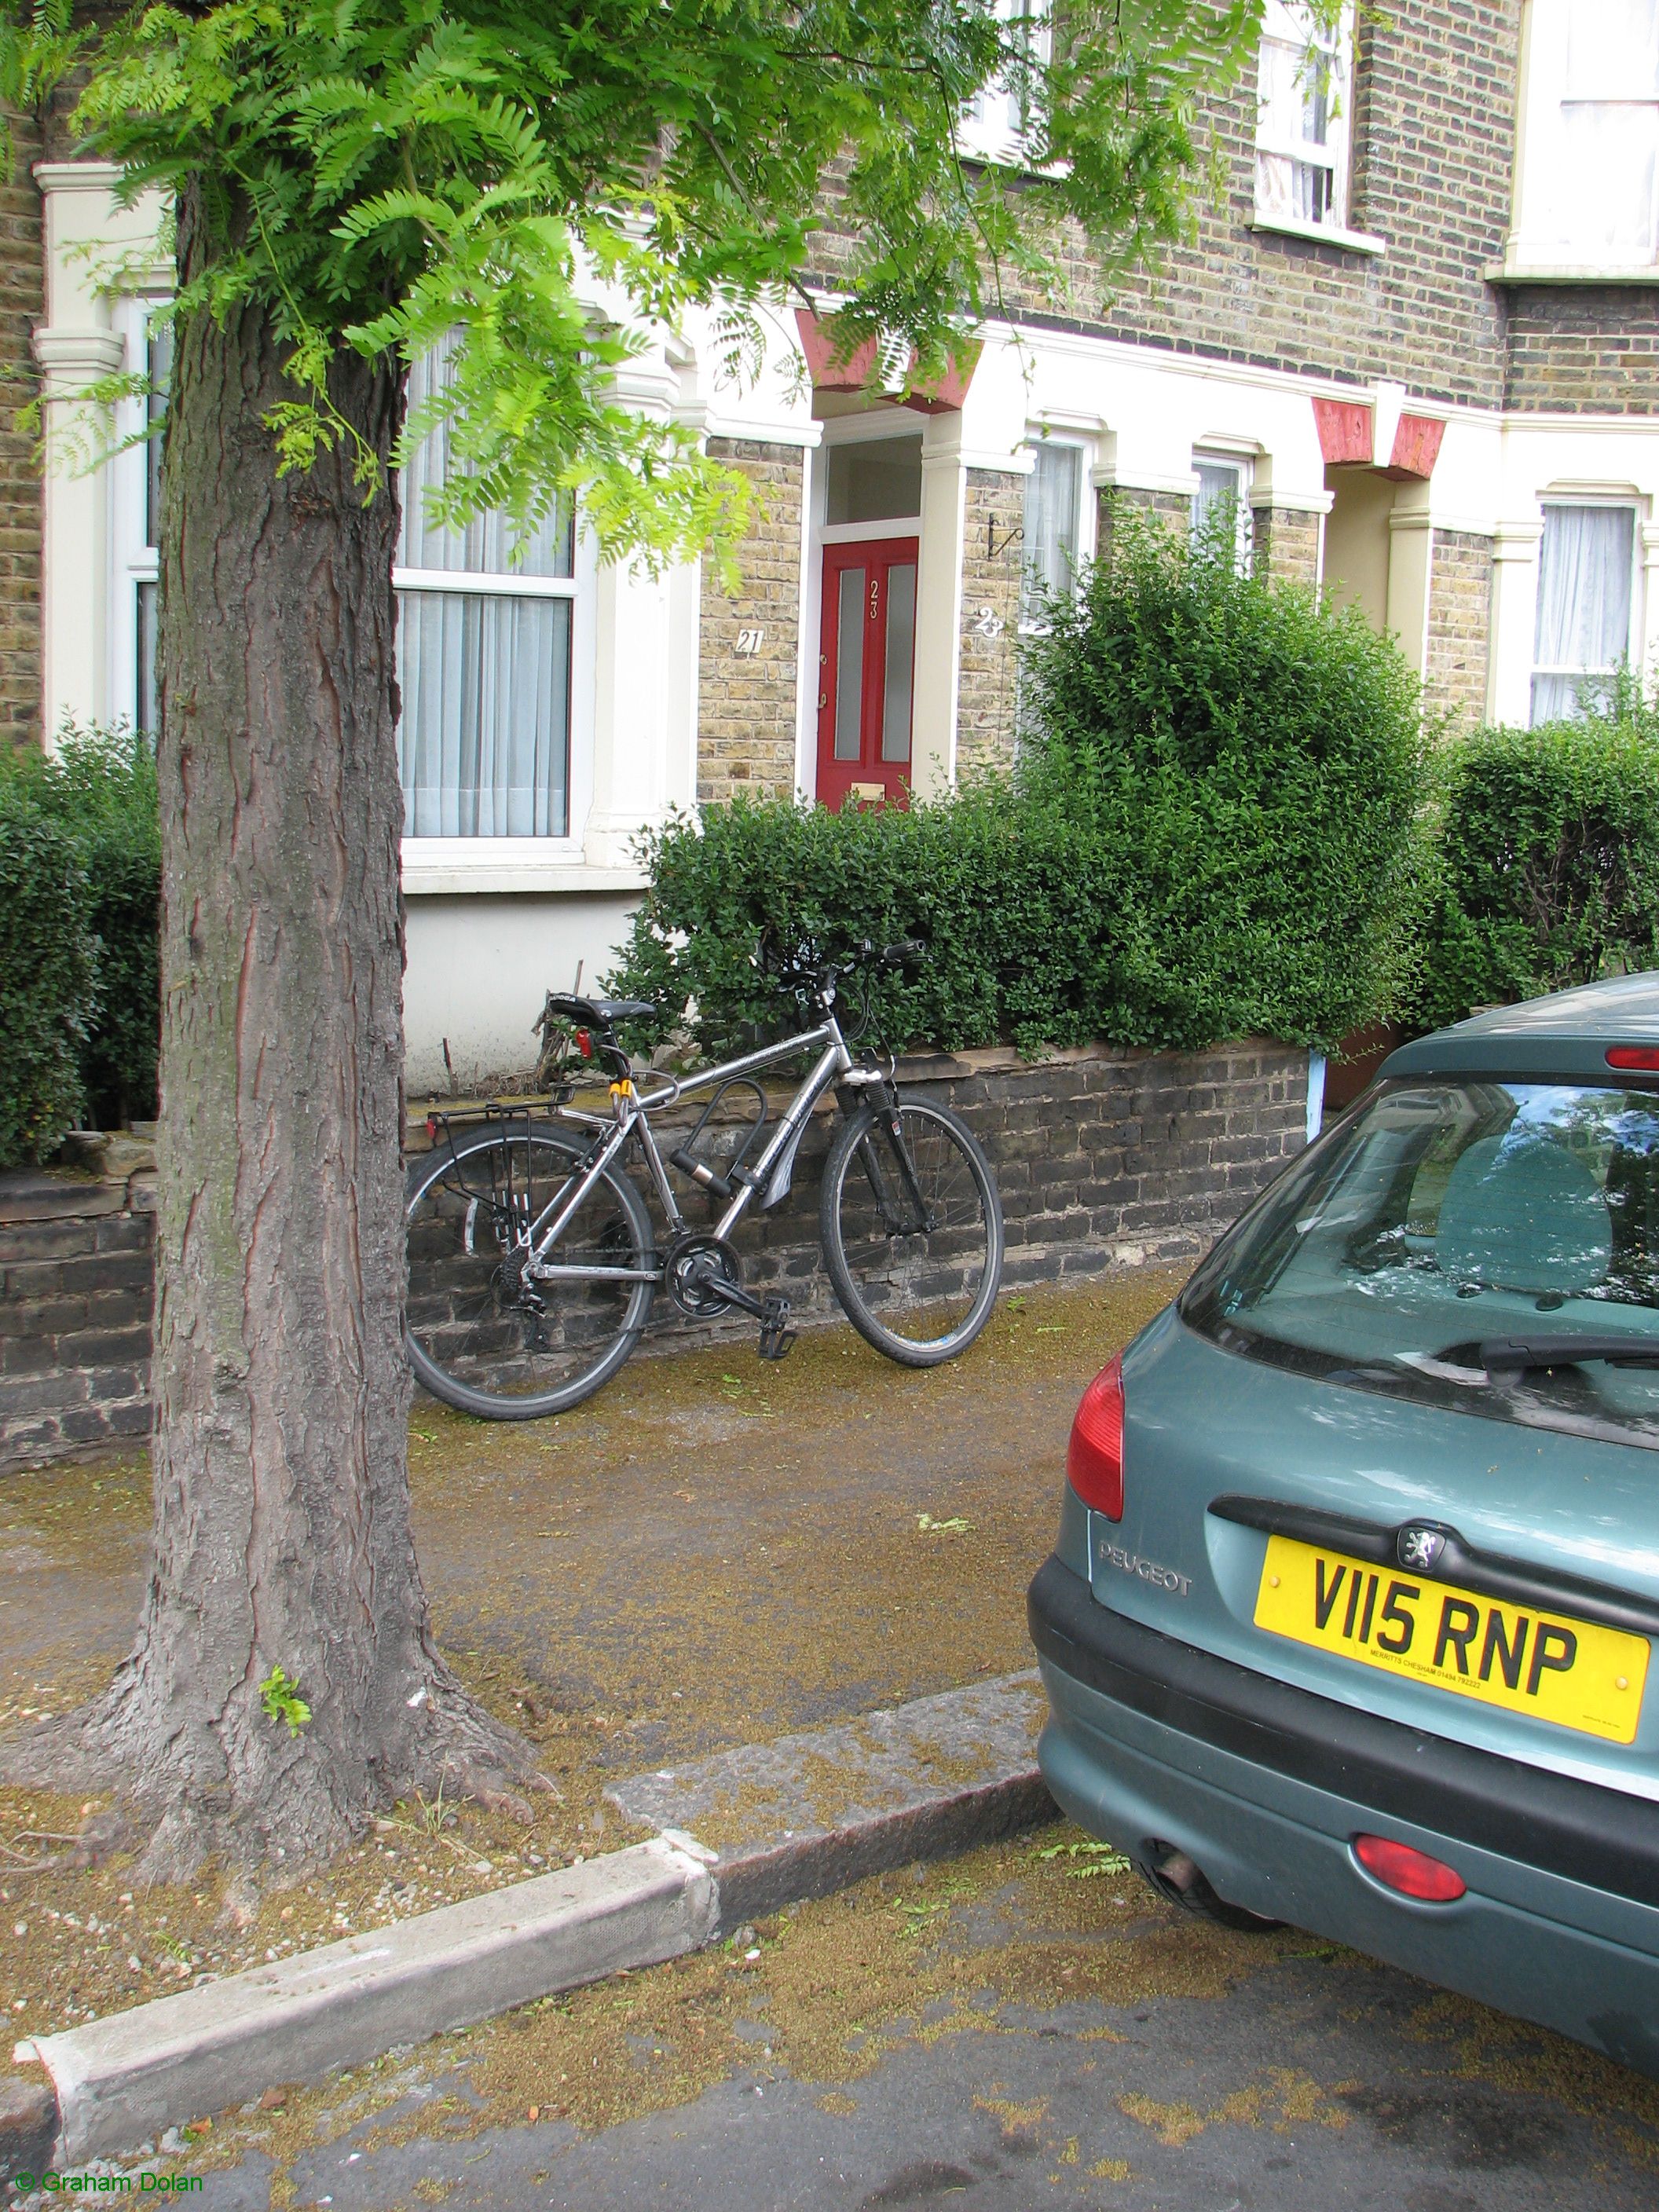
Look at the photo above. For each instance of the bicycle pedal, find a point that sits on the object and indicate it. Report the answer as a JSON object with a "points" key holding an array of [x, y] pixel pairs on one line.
{"points": [[775, 1335]]}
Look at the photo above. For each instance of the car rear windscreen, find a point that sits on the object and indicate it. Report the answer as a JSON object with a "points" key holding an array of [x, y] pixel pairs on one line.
{"points": [[1491, 1247]]}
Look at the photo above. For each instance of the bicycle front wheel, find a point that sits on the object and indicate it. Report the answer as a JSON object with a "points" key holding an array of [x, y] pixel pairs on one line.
{"points": [[911, 1230], [484, 1331]]}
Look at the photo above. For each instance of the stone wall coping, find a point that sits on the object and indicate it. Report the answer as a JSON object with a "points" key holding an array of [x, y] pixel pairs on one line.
{"points": [[911, 1067], [60, 1194]]}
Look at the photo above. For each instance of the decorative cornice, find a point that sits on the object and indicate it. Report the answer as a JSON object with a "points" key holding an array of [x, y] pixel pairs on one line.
{"points": [[77, 176], [84, 353]]}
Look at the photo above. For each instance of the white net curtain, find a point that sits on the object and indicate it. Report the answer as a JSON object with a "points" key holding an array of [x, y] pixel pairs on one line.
{"points": [[483, 663], [1585, 568], [1049, 538]]}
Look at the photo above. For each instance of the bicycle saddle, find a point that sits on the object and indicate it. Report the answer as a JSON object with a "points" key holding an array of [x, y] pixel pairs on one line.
{"points": [[598, 1013]]}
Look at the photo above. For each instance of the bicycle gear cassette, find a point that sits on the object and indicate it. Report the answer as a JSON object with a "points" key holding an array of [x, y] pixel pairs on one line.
{"points": [[692, 1264]]}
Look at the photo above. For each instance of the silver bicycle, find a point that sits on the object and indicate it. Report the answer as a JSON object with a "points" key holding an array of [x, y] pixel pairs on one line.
{"points": [[533, 1259]]}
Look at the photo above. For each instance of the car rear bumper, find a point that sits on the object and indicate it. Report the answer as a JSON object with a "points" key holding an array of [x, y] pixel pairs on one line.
{"points": [[1265, 1786]]}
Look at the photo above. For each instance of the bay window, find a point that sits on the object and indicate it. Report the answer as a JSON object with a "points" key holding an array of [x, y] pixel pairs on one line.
{"points": [[1051, 538], [1224, 487], [484, 662], [1586, 598], [135, 515]]}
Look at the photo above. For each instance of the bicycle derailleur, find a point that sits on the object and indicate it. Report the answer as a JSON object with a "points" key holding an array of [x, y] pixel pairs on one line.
{"points": [[704, 1278]]}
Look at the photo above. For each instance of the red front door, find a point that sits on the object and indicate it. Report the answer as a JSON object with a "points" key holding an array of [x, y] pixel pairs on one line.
{"points": [[866, 671]]}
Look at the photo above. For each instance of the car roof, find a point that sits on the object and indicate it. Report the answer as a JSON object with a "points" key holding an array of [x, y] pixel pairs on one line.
{"points": [[1566, 1034]]}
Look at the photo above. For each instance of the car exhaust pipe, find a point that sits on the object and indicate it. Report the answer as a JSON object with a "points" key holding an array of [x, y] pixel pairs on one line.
{"points": [[1179, 1873], [1176, 1876]]}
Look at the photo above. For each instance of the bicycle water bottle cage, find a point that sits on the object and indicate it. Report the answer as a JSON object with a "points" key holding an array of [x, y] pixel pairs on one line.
{"points": [[718, 1183]]}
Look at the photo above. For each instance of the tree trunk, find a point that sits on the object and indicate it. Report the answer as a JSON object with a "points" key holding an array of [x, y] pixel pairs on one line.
{"points": [[282, 1535]]}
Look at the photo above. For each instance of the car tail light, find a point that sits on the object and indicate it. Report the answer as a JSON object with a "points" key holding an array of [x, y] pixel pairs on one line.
{"points": [[1094, 1458], [1412, 1872], [1642, 1056]]}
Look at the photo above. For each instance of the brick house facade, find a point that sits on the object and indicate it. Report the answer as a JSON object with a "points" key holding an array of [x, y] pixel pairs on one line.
{"points": [[1427, 376]]}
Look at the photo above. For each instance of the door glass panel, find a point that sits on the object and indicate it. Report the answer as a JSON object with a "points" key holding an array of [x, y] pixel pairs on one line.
{"points": [[901, 652], [849, 664]]}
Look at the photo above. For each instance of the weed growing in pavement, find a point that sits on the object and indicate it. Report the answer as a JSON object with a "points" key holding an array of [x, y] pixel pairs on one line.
{"points": [[1093, 1859]]}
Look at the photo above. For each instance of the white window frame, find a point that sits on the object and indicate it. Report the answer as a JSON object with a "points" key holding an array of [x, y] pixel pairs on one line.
{"points": [[989, 128], [1082, 519], [1288, 28], [1241, 468], [1624, 504], [488, 854], [134, 561], [1536, 246]]}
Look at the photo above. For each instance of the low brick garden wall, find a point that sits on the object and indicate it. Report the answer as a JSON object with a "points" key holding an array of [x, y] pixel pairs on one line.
{"points": [[1106, 1158], [76, 1270]]}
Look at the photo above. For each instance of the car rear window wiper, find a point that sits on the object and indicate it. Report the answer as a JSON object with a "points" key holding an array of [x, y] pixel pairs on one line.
{"points": [[1515, 1355]]}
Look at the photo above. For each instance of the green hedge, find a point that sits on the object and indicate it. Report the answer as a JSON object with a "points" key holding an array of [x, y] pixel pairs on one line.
{"points": [[98, 791], [1213, 832], [975, 875], [1547, 864], [48, 979]]}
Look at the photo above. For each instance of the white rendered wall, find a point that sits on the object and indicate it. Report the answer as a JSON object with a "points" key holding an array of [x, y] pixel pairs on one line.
{"points": [[478, 968]]}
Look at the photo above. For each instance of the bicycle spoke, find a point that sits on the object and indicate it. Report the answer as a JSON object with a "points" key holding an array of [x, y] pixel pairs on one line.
{"points": [[920, 1242], [483, 1332]]}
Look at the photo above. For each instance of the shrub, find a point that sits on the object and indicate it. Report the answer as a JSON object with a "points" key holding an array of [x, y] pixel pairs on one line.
{"points": [[99, 788], [1212, 831], [48, 978], [1246, 767], [1547, 869]]}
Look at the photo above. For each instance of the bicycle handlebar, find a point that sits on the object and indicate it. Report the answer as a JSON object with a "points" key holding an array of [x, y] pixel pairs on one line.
{"points": [[805, 964]]}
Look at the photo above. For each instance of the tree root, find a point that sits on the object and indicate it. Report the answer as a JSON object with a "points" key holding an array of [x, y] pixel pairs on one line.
{"points": [[441, 1742]]}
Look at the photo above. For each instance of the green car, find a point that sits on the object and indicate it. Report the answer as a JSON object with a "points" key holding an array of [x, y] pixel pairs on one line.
{"points": [[1351, 1616]]}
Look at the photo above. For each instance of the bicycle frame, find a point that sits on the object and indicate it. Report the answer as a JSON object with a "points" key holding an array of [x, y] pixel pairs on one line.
{"points": [[631, 1113]]}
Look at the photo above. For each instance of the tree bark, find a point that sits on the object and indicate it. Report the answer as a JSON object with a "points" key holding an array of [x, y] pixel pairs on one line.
{"points": [[281, 1532]]}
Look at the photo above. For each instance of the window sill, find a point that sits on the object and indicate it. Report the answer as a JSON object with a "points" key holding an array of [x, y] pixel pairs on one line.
{"points": [[1008, 153], [434, 868], [1323, 234], [1562, 272]]}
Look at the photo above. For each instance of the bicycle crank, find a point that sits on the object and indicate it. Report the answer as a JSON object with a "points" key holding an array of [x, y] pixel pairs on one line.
{"points": [[702, 1272]]}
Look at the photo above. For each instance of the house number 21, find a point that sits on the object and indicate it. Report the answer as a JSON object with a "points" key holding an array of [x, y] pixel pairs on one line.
{"points": [[749, 643]]}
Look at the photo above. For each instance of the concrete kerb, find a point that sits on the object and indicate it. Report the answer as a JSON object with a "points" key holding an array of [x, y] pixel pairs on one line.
{"points": [[925, 1780]]}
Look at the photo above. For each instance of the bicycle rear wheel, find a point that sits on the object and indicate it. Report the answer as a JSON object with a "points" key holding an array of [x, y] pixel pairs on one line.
{"points": [[911, 1230], [479, 1334]]}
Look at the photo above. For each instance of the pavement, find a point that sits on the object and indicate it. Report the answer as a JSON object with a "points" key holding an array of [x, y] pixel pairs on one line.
{"points": [[715, 1555]]}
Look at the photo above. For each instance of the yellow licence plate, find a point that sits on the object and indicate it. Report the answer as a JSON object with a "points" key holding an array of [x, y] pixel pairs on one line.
{"points": [[1570, 1671]]}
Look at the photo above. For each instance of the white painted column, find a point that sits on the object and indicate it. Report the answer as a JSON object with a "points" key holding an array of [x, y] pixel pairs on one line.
{"points": [[1514, 620], [1650, 613], [1411, 560], [645, 676], [91, 244], [939, 607]]}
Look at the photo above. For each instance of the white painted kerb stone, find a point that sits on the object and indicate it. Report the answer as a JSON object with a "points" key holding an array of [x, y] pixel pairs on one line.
{"points": [[127, 2077]]}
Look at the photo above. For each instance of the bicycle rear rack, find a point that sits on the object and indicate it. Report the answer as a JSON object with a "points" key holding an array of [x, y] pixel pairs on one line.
{"points": [[505, 1115]]}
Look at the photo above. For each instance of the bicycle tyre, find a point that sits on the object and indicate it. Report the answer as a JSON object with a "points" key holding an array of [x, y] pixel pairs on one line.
{"points": [[458, 1332], [875, 1280]]}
